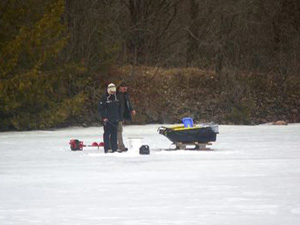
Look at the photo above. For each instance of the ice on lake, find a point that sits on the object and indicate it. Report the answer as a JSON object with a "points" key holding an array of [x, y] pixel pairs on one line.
{"points": [[251, 176]]}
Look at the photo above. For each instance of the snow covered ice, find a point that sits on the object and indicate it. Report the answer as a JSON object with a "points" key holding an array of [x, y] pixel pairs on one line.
{"points": [[252, 176]]}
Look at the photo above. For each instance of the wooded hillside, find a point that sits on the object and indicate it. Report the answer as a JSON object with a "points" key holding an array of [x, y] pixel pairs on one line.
{"points": [[220, 60]]}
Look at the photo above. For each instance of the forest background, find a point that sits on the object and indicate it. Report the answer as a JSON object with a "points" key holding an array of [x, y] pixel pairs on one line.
{"points": [[226, 61]]}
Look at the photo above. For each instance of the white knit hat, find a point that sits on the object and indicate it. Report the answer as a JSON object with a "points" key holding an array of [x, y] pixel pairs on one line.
{"points": [[111, 88]]}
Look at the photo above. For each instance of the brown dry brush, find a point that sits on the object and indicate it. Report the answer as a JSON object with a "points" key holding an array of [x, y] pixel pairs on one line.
{"points": [[167, 95]]}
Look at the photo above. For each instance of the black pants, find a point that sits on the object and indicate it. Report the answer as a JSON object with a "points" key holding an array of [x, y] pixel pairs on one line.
{"points": [[110, 136]]}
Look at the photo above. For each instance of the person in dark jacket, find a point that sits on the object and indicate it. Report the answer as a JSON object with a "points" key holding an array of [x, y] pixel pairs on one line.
{"points": [[109, 108], [126, 112]]}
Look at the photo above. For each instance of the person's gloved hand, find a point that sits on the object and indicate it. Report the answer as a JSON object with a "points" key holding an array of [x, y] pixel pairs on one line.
{"points": [[105, 120], [133, 112]]}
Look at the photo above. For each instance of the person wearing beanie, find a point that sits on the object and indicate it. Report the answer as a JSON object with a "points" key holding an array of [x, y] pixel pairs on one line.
{"points": [[109, 108], [126, 113]]}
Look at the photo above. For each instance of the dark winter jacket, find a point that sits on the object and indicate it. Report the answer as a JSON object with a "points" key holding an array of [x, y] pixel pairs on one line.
{"points": [[109, 107], [125, 106]]}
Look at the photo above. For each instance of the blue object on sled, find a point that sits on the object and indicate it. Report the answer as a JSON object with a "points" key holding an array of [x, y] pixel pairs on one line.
{"points": [[188, 122]]}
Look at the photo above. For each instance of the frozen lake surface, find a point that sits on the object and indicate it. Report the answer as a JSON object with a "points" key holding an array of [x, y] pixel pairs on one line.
{"points": [[251, 177]]}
